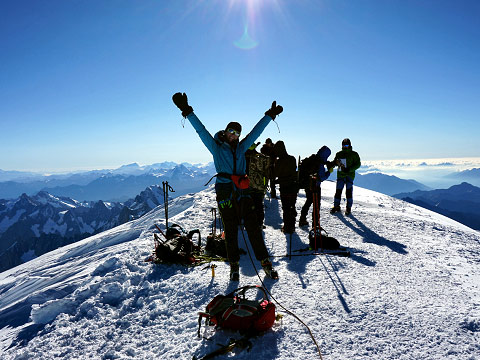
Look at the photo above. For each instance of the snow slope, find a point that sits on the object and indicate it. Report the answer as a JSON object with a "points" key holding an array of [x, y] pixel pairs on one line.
{"points": [[411, 290]]}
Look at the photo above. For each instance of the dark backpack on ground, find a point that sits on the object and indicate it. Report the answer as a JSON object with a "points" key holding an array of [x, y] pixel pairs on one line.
{"points": [[215, 246], [178, 246], [322, 241], [235, 312]]}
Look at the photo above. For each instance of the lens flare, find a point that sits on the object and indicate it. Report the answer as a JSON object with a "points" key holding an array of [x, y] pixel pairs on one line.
{"points": [[245, 42]]}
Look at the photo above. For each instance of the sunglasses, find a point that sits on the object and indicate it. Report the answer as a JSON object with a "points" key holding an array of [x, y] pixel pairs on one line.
{"points": [[234, 132], [345, 145]]}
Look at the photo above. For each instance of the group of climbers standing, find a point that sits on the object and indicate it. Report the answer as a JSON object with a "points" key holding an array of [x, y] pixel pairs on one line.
{"points": [[240, 197], [312, 171]]}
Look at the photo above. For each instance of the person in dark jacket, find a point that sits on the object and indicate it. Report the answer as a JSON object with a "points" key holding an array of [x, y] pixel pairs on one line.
{"points": [[267, 149], [258, 171], [317, 171], [231, 186], [285, 172], [348, 161]]}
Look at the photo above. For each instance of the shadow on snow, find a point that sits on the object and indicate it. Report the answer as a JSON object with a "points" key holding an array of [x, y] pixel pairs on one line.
{"points": [[369, 236]]}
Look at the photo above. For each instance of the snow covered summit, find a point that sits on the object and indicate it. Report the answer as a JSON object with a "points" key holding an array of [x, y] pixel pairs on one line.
{"points": [[411, 290]]}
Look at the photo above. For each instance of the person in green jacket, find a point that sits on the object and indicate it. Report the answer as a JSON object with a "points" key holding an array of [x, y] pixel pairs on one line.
{"points": [[348, 161]]}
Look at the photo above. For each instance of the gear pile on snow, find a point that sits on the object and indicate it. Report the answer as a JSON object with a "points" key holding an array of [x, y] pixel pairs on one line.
{"points": [[215, 245], [178, 246], [235, 312]]}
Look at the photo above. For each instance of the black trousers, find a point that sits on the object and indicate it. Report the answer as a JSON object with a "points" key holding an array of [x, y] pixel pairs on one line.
{"points": [[289, 211], [235, 206], [257, 198]]}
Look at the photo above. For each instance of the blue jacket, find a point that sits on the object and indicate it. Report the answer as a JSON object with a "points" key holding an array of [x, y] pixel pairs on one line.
{"points": [[323, 173], [226, 157]]}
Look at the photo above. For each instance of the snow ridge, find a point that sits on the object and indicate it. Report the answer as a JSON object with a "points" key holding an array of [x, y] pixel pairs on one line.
{"points": [[409, 291]]}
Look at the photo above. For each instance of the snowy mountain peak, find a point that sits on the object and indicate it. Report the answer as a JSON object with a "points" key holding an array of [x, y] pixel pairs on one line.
{"points": [[43, 197], [130, 166], [129, 169], [25, 200], [147, 200], [180, 172], [163, 165], [45, 222]]}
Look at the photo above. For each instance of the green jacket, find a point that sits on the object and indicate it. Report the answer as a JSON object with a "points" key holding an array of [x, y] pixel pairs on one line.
{"points": [[353, 163]]}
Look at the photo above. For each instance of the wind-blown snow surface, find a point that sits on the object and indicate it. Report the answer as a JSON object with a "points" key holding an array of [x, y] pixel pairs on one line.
{"points": [[409, 291]]}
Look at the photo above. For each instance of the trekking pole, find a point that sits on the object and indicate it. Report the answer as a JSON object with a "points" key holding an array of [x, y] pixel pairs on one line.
{"points": [[161, 232], [214, 224], [319, 228], [291, 235], [165, 202], [298, 171], [316, 213], [166, 188], [290, 251], [319, 205], [314, 195]]}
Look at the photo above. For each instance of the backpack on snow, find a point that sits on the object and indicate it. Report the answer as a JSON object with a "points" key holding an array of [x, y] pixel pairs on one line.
{"points": [[235, 312], [258, 171], [215, 246], [322, 240], [178, 246]]}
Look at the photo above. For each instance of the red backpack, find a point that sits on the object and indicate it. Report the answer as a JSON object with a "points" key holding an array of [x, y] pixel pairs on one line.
{"points": [[235, 312]]}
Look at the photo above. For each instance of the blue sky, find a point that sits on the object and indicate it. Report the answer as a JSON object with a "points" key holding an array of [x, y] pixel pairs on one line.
{"points": [[88, 84]]}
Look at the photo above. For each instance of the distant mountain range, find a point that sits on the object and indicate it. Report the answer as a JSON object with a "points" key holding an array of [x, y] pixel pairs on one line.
{"points": [[33, 225], [471, 176], [108, 185], [39, 213], [459, 202], [387, 184]]}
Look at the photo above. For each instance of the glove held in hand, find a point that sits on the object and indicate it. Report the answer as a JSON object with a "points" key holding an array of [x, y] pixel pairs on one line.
{"points": [[274, 110], [181, 101]]}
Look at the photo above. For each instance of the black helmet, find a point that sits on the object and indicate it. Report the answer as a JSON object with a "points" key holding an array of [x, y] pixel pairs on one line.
{"points": [[346, 141]]}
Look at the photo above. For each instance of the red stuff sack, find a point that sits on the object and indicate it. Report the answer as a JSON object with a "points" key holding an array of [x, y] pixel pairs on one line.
{"points": [[235, 312], [241, 181]]}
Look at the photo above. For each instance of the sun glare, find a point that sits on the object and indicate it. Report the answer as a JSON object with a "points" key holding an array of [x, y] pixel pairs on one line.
{"points": [[245, 42], [251, 10], [248, 16]]}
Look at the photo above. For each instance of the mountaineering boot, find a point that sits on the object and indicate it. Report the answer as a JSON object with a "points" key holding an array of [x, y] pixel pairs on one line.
{"points": [[348, 211], [234, 271], [267, 267], [302, 222], [289, 230], [335, 209]]}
